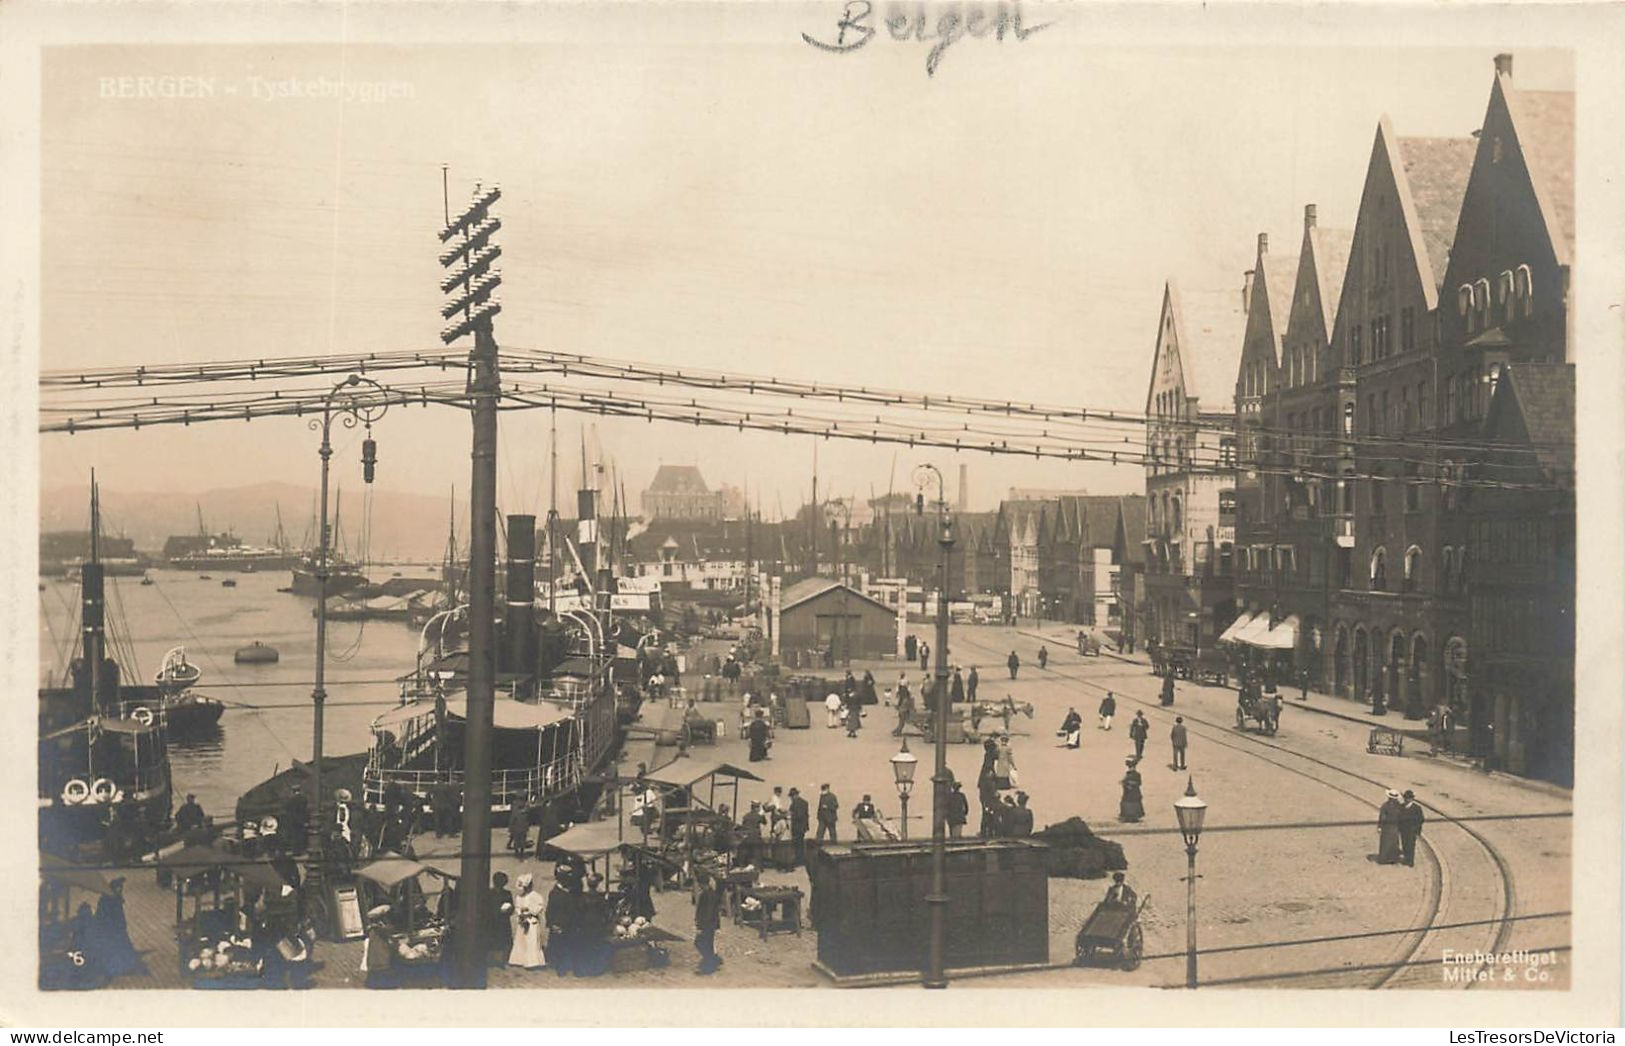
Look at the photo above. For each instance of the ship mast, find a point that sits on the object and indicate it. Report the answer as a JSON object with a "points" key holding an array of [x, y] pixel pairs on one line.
{"points": [[93, 596]]}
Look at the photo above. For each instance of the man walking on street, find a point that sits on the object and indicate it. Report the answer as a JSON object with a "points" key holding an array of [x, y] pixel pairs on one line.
{"points": [[1108, 708], [905, 707], [1168, 689], [829, 809], [1014, 664], [958, 812], [956, 687], [707, 920], [1179, 738], [798, 825], [1410, 826], [970, 684], [925, 657], [1138, 731]]}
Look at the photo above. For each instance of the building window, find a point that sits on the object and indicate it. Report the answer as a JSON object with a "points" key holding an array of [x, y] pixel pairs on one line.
{"points": [[1348, 419], [1447, 483], [1524, 288], [1354, 346], [1407, 329], [1464, 303], [1413, 487], [1379, 569], [1481, 304], [1413, 567], [1345, 493], [1423, 417], [1406, 422], [1504, 298], [1376, 492], [1371, 427]]}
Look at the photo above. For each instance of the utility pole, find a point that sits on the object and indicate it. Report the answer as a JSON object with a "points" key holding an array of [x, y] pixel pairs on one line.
{"points": [[936, 961], [473, 282]]}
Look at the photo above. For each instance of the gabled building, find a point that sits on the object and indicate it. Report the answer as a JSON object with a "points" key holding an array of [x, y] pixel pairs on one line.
{"points": [[1505, 315], [1191, 454], [1392, 611], [1287, 521], [679, 492]]}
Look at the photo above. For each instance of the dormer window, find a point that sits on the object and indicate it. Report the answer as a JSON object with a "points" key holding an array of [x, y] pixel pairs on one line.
{"points": [[1481, 304], [1523, 292], [1464, 300]]}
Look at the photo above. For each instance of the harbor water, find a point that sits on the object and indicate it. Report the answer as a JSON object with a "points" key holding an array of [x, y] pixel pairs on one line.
{"points": [[267, 722]]}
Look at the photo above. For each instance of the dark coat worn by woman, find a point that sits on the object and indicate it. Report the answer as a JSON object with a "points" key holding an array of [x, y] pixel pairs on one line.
{"points": [[757, 731], [1132, 806]]}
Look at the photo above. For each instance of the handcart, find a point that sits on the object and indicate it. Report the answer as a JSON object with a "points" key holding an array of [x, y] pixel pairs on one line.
{"points": [[1112, 930]]}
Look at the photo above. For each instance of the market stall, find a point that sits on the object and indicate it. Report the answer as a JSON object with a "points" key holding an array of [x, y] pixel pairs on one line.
{"points": [[67, 948], [407, 911], [242, 927], [613, 916]]}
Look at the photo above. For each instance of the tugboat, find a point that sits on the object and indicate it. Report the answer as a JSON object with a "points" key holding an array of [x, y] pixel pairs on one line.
{"points": [[103, 753]]}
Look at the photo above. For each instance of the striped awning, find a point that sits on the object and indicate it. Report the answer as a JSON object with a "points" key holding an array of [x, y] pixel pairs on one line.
{"points": [[1254, 631]]}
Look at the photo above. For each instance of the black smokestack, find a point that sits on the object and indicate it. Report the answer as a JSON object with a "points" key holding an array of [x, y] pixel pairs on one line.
{"points": [[519, 620]]}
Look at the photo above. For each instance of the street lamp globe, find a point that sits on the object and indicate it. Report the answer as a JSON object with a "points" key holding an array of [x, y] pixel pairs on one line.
{"points": [[1190, 810], [902, 768]]}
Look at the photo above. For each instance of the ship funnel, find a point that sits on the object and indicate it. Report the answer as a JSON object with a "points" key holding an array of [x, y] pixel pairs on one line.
{"points": [[519, 620]]}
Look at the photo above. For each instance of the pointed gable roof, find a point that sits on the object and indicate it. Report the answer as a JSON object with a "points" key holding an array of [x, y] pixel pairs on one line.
{"points": [[1269, 311], [1131, 529], [1535, 402], [1432, 178], [1328, 253], [1544, 124], [1208, 328], [678, 479]]}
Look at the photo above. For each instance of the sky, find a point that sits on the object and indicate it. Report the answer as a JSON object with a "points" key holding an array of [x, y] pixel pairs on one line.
{"points": [[732, 199]]}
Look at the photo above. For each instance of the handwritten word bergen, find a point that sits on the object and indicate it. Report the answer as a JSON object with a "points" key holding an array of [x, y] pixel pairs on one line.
{"points": [[906, 22]]}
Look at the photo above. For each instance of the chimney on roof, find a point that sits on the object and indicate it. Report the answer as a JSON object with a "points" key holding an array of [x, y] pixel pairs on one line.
{"points": [[1247, 287], [1263, 243], [1308, 216], [1503, 65]]}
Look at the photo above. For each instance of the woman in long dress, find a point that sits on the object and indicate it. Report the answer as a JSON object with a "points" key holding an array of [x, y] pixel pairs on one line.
{"points": [[832, 710], [1132, 806], [1388, 829], [528, 908]]}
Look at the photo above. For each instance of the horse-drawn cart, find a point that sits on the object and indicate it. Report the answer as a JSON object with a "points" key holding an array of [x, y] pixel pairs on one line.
{"points": [[1264, 709], [1112, 930]]}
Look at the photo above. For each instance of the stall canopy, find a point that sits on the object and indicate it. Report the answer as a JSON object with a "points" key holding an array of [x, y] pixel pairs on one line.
{"points": [[506, 714], [391, 871], [1250, 633], [686, 773], [589, 840], [69, 874], [199, 858], [1236, 628]]}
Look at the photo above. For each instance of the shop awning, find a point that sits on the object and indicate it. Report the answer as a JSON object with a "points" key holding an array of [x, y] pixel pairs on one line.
{"points": [[1284, 636], [391, 871], [1256, 628], [1236, 627]]}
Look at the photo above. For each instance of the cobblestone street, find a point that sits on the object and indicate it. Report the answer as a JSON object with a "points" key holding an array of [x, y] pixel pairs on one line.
{"points": [[1306, 907]]}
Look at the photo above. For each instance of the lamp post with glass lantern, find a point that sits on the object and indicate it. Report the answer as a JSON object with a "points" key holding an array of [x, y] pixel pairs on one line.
{"points": [[936, 963], [902, 768], [1190, 810]]}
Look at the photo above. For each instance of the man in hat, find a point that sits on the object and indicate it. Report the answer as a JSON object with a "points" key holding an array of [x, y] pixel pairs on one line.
{"points": [[1108, 709], [1120, 892], [117, 954], [296, 820], [1138, 730], [1071, 731], [956, 687], [563, 915], [829, 809], [707, 920], [905, 706], [971, 682], [1388, 846], [1410, 825], [798, 825], [1180, 739]]}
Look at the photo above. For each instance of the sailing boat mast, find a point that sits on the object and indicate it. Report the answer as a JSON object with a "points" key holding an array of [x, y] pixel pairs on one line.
{"points": [[553, 517]]}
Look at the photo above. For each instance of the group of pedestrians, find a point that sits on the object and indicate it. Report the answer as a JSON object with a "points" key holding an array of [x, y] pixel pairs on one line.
{"points": [[1399, 825]]}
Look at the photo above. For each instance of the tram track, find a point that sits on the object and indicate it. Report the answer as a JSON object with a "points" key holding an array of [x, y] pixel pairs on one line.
{"points": [[1446, 902]]}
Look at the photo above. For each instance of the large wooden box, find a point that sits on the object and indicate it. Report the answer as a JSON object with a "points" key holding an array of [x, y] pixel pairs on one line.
{"points": [[869, 905]]}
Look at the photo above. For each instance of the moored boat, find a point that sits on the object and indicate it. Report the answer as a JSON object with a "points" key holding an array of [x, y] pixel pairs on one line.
{"points": [[256, 653], [177, 673]]}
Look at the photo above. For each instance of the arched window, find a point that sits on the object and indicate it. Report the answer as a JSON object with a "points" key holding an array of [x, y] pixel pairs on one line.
{"points": [[1348, 419], [1379, 569], [1448, 475], [1464, 302], [1524, 291], [1179, 516], [1413, 568], [1447, 568]]}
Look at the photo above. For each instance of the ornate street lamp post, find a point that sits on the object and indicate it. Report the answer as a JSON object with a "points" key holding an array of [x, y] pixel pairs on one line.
{"points": [[935, 974], [1190, 810], [354, 401], [902, 768]]}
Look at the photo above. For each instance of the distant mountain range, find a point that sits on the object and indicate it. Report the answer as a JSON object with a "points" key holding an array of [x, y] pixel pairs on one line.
{"points": [[403, 527]]}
